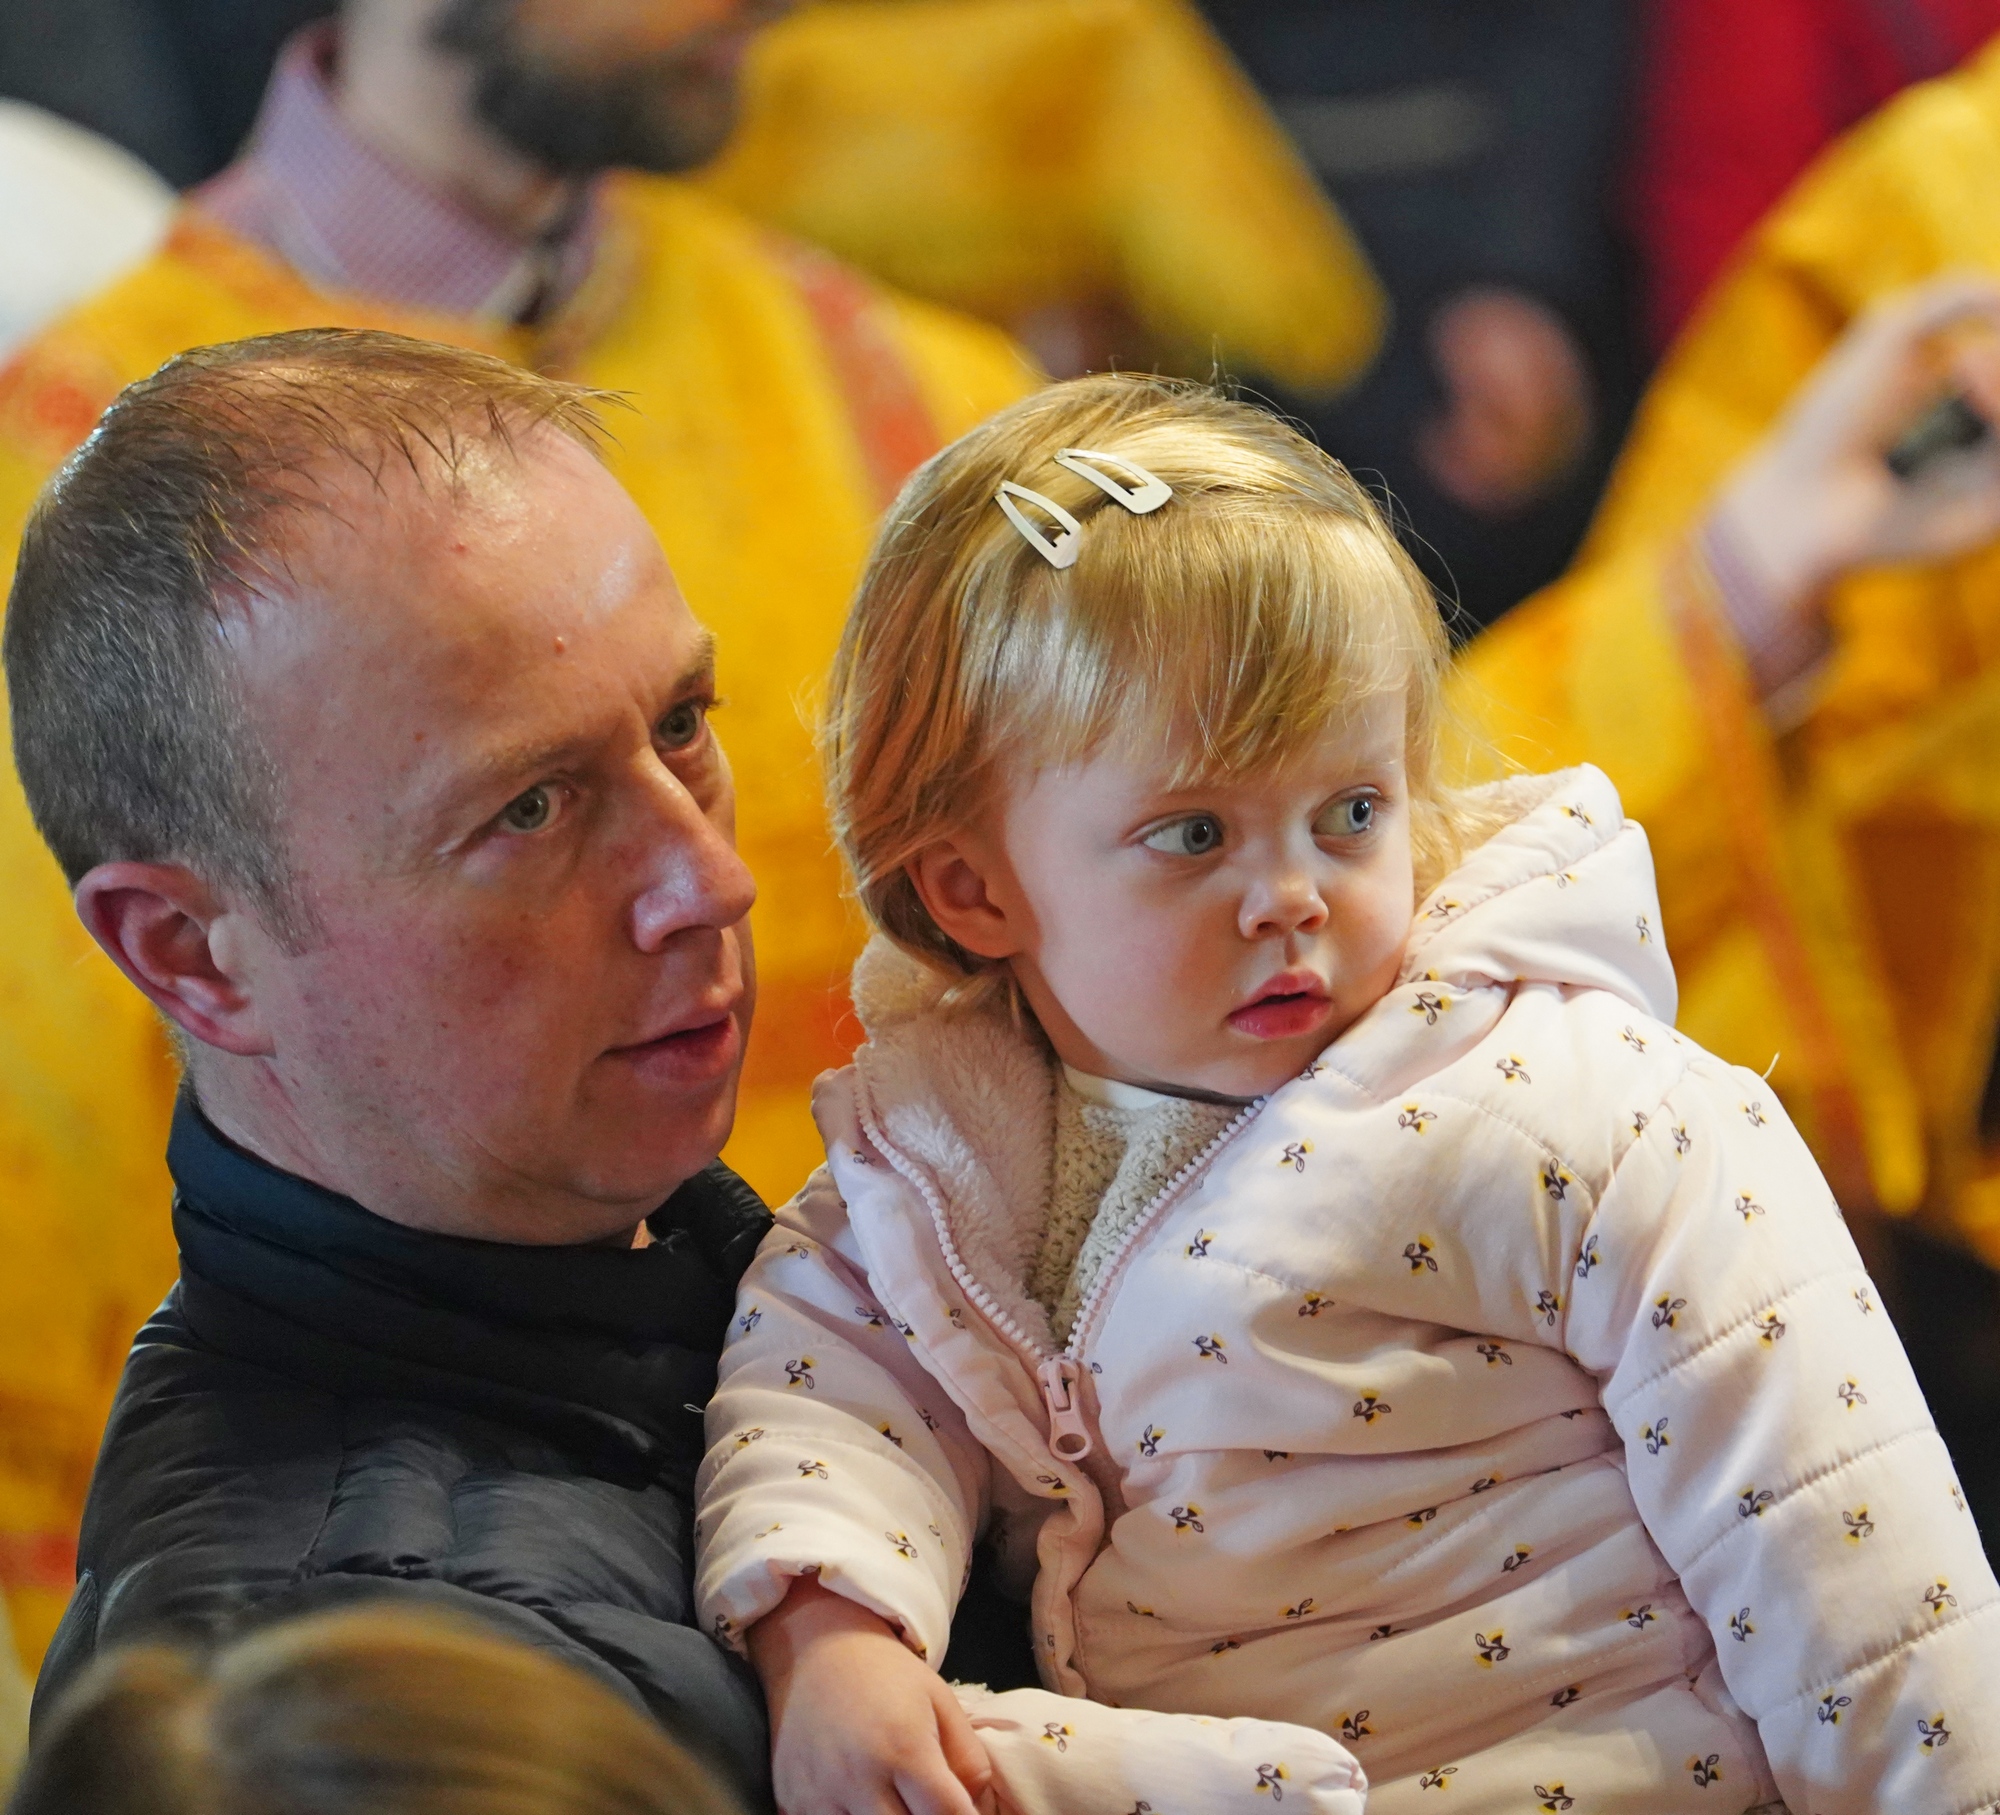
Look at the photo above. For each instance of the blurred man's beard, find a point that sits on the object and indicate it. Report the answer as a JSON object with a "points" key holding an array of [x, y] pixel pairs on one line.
{"points": [[662, 114]]}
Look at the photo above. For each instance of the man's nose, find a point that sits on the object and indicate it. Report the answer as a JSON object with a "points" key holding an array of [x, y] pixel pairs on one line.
{"points": [[1280, 904], [693, 877]]}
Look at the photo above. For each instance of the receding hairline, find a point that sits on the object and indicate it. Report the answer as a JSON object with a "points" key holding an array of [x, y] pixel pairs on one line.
{"points": [[191, 490]]}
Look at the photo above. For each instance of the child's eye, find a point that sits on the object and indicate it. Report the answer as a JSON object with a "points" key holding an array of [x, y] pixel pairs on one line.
{"points": [[1195, 836], [1346, 818]]}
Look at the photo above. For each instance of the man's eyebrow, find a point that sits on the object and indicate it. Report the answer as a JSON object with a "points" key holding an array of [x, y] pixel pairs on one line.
{"points": [[511, 762], [699, 673]]}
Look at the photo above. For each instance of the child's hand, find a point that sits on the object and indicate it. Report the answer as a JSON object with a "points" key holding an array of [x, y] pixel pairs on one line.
{"points": [[859, 1726]]}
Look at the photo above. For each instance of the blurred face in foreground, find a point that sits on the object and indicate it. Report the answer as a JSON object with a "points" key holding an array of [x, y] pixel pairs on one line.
{"points": [[1209, 939], [519, 1007]]}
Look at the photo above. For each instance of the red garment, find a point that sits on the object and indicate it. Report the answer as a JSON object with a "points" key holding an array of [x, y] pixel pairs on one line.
{"points": [[1737, 96]]}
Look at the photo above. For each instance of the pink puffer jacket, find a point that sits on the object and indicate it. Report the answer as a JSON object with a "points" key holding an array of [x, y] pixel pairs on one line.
{"points": [[1503, 1397]]}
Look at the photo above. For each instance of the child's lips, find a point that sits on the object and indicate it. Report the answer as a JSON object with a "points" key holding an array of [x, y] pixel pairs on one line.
{"points": [[1286, 1007]]}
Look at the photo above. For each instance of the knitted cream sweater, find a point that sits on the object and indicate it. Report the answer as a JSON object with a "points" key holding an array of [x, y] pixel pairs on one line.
{"points": [[1116, 1147]]}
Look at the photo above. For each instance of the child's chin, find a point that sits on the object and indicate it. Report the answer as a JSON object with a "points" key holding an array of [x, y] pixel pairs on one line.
{"points": [[1253, 1075]]}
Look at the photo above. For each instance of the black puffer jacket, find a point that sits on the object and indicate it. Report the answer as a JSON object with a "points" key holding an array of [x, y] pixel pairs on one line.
{"points": [[331, 1407]]}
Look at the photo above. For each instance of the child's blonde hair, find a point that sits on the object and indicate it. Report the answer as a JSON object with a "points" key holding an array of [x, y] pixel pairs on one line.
{"points": [[1233, 625]]}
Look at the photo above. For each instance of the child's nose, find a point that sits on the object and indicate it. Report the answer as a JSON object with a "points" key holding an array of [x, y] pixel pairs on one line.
{"points": [[1283, 905]]}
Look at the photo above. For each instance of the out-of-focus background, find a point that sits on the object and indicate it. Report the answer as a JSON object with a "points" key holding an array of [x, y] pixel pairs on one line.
{"points": [[1543, 188], [1457, 239]]}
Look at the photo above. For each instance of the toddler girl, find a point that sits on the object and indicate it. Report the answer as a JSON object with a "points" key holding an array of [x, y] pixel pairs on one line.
{"points": [[1273, 1206]]}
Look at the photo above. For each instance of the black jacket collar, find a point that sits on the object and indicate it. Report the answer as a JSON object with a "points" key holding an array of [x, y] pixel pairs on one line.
{"points": [[608, 1353]]}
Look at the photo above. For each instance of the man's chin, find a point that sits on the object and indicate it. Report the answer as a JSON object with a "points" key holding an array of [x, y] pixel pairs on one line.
{"points": [[650, 1134]]}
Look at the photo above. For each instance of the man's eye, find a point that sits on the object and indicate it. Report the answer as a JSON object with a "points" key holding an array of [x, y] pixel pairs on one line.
{"points": [[1195, 836], [1346, 818], [683, 724], [529, 811]]}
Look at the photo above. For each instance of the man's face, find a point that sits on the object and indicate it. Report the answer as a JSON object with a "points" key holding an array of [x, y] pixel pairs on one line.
{"points": [[579, 86], [522, 1008]]}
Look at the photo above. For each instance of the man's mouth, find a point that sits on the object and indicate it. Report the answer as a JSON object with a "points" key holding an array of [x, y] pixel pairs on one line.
{"points": [[1290, 1004], [697, 1048]]}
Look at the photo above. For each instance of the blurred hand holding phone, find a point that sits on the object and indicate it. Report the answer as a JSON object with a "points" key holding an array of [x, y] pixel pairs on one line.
{"points": [[1950, 426], [1884, 456]]}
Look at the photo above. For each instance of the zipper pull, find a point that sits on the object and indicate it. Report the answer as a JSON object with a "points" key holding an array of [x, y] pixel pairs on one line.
{"points": [[1069, 1439]]}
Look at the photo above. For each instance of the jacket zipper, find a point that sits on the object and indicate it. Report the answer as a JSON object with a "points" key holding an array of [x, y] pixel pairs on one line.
{"points": [[1059, 1373]]}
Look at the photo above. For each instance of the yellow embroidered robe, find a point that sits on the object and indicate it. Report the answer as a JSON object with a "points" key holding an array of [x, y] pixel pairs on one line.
{"points": [[779, 401], [1018, 157], [1832, 887]]}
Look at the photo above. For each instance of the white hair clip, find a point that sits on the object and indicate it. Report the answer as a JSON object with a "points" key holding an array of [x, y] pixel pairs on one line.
{"points": [[1057, 551], [1147, 493]]}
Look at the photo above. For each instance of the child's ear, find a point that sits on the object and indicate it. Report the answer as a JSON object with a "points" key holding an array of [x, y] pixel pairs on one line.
{"points": [[951, 881]]}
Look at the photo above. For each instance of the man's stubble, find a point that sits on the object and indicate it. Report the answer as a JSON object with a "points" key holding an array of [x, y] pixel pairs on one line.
{"points": [[662, 111]]}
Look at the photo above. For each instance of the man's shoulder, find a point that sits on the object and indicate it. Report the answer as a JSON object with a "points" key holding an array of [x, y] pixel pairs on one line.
{"points": [[212, 1479], [1895, 201], [229, 1493], [215, 1467], [224, 1485]]}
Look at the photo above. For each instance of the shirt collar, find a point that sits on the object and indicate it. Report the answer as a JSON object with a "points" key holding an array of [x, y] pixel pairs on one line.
{"points": [[347, 218]]}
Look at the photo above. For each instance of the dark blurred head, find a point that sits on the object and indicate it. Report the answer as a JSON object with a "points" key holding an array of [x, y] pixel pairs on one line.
{"points": [[585, 85], [385, 1712]]}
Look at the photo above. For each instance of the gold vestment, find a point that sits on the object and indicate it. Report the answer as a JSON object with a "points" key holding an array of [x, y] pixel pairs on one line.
{"points": [[1017, 158], [1828, 873]]}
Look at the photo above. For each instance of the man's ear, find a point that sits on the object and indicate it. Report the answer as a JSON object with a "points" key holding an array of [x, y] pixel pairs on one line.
{"points": [[170, 933], [952, 881]]}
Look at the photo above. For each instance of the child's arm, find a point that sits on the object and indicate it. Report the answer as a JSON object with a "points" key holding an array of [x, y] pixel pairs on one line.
{"points": [[934, 1750], [1784, 1461], [859, 1724], [837, 1508]]}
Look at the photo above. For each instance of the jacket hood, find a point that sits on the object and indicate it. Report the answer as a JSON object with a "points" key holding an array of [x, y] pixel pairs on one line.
{"points": [[1561, 894]]}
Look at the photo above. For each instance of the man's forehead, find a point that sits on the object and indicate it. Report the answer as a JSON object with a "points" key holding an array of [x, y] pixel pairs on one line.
{"points": [[503, 540], [421, 611]]}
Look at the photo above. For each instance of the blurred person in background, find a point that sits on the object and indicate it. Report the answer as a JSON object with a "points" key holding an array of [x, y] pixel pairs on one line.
{"points": [[1787, 656], [375, 1711], [1154, 214], [75, 210], [1472, 144], [1735, 101]]}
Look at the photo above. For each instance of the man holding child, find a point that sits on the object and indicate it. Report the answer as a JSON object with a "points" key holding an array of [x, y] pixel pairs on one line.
{"points": [[358, 703]]}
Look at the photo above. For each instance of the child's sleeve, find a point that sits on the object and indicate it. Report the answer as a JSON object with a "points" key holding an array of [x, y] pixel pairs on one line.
{"points": [[832, 1453], [1784, 1461]]}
